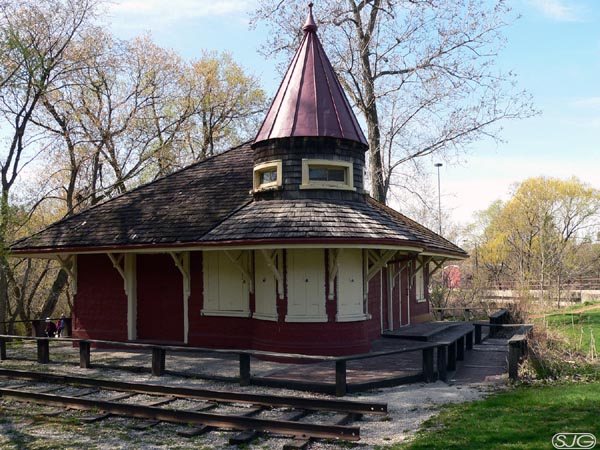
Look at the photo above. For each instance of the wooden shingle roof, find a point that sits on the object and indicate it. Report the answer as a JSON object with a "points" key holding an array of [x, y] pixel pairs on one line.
{"points": [[179, 208], [327, 221], [209, 203]]}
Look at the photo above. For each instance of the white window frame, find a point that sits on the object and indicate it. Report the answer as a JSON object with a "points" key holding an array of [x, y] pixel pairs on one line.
{"points": [[267, 167], [347, 184]]}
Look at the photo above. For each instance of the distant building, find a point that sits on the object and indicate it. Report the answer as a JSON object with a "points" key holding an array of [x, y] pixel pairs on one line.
{"points": [[451, 276], [272, 245]]}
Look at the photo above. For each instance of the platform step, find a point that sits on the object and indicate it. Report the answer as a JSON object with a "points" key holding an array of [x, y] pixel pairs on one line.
{"points": [[422, 331]]}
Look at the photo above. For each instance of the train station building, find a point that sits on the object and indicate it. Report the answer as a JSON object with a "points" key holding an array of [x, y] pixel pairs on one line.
{"points": [[273, 245]]}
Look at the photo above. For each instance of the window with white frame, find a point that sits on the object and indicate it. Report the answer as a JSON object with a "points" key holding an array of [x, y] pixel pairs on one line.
{"points": [[327, 174], [226, 288], [267, 175]]}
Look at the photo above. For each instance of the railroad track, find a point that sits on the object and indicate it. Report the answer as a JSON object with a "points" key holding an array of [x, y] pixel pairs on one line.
{"points": [[299, 418]]}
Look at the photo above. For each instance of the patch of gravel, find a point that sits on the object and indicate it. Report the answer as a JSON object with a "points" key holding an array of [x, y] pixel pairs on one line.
{"points": [[25, 426]]}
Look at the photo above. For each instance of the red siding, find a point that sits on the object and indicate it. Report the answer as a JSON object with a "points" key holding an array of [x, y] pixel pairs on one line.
{"points": [[159, 299], [100, 305], [101, 311]]}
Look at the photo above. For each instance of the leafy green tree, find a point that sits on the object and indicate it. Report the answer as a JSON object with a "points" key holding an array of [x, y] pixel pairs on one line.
{"points": [[538, 237]]}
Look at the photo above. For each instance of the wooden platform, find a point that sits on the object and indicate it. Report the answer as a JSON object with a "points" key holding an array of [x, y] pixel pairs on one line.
{"points": [[422, 331]]}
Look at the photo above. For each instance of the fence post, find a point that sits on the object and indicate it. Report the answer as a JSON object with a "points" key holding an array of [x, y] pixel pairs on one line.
{"points": [[244, 369], [477, 333], [158, 361], [341, 386], [2, 349], [84, 355], [442, 362], [428, 372], [470, 340], [460, 349], [514, 355], [452, 356], [43, 351]]}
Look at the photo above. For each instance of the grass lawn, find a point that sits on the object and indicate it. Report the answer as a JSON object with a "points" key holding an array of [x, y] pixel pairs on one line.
{"points": [[581, 328], [523, 418]]}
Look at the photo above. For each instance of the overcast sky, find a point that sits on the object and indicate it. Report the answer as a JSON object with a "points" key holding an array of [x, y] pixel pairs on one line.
{"points": [[554, 48]]}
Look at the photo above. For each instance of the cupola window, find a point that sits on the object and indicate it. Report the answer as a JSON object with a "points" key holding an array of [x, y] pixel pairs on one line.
{"points": [[267, 175], [327, 174]]}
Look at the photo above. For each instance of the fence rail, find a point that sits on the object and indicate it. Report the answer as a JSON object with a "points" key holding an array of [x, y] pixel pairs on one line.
{"points": [[575, 284]]}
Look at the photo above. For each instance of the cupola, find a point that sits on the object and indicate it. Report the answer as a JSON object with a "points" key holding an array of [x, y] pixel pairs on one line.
{"points": [[310, 144]]}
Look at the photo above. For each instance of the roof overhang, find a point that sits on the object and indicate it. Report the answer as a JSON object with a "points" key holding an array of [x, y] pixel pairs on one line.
{"points": [[408, 247]]}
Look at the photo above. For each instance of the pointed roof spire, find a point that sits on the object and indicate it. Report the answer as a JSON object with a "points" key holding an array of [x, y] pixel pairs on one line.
{"points": [[310, 26], [310, 100]]}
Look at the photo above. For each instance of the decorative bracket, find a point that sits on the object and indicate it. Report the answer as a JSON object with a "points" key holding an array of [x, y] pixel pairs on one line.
{"points": [[334, 267], [118, 263], [182, 262], [271, 260], [439, 264], [239, 263], [69, 265], [126, 266], [379, 261]]}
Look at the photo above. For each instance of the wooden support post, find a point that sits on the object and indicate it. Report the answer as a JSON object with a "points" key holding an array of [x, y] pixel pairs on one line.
{"points": [[244, 369], [452, 356], [428, 372], [2, 349], [460, 349], [470, 340], [442, 362], [158, 361], [341, 386], [84, 355], [514, 355], [477, 334], [43, 351]]}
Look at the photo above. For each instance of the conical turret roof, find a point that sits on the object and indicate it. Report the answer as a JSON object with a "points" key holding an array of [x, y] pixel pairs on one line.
{"points": [[310, 100]]}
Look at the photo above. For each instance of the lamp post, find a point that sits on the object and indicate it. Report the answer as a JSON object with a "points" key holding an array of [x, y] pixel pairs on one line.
{"points": [[438, 165]]}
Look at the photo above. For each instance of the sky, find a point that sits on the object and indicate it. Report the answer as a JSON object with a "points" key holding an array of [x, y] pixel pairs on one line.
{"points": [[554, 48]]}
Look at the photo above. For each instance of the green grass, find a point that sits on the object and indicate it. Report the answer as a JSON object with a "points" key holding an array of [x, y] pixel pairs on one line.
{"points": [[581, 328], [525, 418]]}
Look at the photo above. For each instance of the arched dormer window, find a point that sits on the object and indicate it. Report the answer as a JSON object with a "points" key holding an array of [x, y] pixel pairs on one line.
{"points": [[327, 174]]}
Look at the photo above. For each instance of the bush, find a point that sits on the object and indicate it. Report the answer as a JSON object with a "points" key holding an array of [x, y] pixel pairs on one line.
{"points": [[551, 357]]}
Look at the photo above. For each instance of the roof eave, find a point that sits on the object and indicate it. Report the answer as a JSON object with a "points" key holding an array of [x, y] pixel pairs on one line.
{"points": [[387, 244]]}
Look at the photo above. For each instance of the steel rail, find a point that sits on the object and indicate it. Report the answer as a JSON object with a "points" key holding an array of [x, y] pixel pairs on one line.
{"points": [[345, 406], [296, 429]]}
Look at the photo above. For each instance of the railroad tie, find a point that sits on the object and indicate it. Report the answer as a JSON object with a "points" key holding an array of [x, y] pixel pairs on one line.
{"points": [[245, 437], [198, 429]]}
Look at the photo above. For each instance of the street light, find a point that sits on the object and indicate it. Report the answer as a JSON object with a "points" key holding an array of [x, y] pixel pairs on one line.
{"points": [[438, 165]]}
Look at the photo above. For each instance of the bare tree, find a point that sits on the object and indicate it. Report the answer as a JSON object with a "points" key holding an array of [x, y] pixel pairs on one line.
{"points": [[421, 72], [34, 36]]}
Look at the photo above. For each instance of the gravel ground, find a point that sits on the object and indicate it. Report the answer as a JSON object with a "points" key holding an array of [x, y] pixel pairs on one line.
{"points": [[24, 426]]}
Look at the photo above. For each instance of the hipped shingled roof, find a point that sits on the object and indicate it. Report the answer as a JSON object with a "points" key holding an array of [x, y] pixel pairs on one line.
{"points": [[209, 203]]}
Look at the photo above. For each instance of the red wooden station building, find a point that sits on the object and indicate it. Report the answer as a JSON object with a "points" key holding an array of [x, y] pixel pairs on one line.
{"points": [[272, 245]]}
